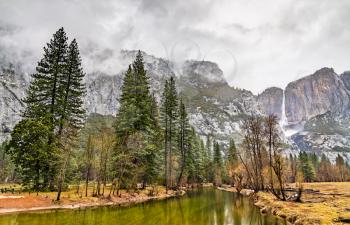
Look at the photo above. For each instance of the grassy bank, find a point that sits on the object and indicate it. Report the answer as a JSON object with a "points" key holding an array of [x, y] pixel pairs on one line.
{"points": [[327, 203], [20, 202]]}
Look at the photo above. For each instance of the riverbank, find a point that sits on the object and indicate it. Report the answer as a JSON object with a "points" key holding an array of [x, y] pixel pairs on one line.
{"points": [[327, 203], [25, 202]]}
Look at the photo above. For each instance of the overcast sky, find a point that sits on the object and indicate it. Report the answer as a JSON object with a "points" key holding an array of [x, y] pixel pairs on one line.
{"points": [[257, 43]]}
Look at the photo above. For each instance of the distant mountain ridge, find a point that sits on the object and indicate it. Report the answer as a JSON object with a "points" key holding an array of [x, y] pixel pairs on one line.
{"points": [[215, 108]]}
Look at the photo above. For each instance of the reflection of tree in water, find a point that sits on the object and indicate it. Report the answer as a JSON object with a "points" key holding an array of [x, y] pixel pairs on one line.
{"points": [[214, 208], [207, 207], [219, 212], [245, 213], [181, 211], [237, 209]]}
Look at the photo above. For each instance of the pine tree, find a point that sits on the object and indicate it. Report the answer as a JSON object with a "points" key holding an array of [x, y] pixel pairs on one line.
{"points": [[191, 162], [169, 119], [44, 91], [73, 89], [217, 160], [208, 160], [127, 114], [183, 138], [30, 151], [315, 162], [203, 166], [306, 167], [136, 126], [195, 162], [7, 166], [142, 94], [135, 113], [232, 153], [152, 157]]}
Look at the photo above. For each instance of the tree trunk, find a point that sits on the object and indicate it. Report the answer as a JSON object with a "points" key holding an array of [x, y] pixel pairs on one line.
{"points": [[166, 155], [59, 189], [61, 177], [87, 181], [78, 188], [170, 152], [183, 155], [37, 178]]}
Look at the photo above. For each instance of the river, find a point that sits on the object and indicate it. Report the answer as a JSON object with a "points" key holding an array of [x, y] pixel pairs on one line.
{"points": [[202, 207]]}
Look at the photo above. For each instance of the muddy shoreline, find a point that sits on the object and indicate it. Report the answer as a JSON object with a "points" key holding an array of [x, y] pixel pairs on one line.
{"points": [[263, 206], [91, 203]]}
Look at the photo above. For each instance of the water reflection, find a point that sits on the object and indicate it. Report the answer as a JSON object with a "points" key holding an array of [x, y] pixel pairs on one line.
{"points": [[205, 207]]}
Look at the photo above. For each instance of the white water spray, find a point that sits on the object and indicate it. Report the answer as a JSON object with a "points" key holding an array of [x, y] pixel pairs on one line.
{"points": [[287, 128], [284, 120]]}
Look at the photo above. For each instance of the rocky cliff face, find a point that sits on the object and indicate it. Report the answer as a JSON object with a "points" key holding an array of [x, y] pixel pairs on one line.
{"points": [[201, 73], [12, 91], [319, 101], [214, 107], [315, 94], [271, 101], [103, 90], [346, 79]]}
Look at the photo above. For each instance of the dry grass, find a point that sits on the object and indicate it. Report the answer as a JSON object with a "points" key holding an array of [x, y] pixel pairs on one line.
{"points": [[326, 207], [71, 199]]}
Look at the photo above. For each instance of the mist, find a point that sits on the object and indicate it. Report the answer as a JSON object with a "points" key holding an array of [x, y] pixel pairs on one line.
{"points": [[257, 44]]}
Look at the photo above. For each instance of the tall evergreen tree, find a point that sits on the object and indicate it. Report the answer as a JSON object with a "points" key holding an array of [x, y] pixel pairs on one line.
{"points": [[217, 160], [142, 94], [184, 138], [135, 113], [44, 89], [55, 97], [127, 114], [208, 160], [232, 153], [72, 89], [314, 161], [306, 167], [169, 119], [30, 151], [231, 161], [136, 124], [203, 166], [71, 114], [194, 163], [44, 95], [153, 156]]}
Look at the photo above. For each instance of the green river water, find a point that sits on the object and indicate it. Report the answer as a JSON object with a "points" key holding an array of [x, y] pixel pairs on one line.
{"points": [[203, 207]]}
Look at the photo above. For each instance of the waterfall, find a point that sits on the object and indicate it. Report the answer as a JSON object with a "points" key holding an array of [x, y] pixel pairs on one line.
{"points": [[288, 129], [284, 120]]}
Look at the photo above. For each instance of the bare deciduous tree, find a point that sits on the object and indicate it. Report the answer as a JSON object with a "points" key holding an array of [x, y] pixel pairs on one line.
{"points": [[254, 152], [276, 162]]}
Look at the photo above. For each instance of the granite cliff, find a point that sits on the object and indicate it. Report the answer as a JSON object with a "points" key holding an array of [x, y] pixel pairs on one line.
{"points": [[314, 108]]}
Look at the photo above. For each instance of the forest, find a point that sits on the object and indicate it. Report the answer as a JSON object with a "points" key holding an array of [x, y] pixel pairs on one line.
{"points": [[150, 144]]}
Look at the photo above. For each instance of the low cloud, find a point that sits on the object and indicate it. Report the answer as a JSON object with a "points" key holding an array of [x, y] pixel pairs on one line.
{"points": [[257, 43]]}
